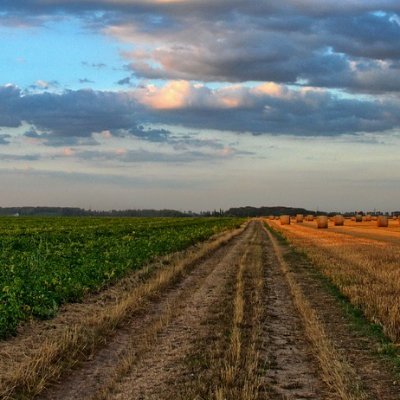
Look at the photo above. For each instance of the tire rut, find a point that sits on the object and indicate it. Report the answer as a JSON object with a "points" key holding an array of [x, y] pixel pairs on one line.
{"points": [[156, 375], [291, 368]]}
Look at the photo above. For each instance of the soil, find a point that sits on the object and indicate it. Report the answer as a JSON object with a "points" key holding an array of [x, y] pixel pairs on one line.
{"points": [[175, 346]]}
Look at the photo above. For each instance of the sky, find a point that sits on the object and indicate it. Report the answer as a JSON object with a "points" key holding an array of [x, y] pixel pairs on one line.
{"points": [[200, 104]]}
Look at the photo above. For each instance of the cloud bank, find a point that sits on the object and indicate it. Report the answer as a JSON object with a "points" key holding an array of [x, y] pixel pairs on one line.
{"points": [[263, 109]]}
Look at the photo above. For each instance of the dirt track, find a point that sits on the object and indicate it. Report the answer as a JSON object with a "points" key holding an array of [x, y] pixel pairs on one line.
{"points": [[237, 325]]}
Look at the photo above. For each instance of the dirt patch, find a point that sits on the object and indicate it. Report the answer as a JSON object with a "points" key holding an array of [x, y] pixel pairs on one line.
{"points": [[158, 373], [291, 368]]}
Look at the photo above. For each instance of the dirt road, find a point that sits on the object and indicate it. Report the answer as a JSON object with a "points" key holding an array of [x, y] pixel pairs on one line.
{"points": [[238, 324]]}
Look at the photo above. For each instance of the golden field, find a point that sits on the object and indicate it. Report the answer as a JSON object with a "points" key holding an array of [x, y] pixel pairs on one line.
{"points": [[362, 260]]}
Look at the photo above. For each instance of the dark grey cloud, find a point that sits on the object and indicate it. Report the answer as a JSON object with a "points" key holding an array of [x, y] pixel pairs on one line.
{"points": [[210, 7], [337, 52], [124, 81], [372, 36], [85, 80], [10, 97], [144, 156], [151, 135], [333, 44], [260, 110], [71, 118], [177, 142], [20, 157], [4, 139], [70, 114]]}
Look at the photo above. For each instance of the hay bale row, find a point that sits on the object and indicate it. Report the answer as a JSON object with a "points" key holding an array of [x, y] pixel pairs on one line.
{"points": [[338, 220]]}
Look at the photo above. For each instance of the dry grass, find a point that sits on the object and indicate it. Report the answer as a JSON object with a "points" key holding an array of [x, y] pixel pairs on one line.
{"points": [[80, 340], [239, 378], [367, 271], [336, 372]]}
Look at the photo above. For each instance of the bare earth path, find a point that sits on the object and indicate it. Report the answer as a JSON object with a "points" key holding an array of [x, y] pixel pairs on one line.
{"points": [[241, 323]]}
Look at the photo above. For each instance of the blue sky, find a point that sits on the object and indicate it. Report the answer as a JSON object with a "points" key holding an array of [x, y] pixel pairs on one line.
{"points": [[200, 104]]}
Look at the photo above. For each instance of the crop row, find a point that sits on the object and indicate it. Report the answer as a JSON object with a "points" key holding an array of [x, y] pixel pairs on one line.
{"points": [[45, 262]]}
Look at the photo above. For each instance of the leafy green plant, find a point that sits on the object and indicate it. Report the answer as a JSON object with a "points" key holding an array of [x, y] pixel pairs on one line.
{"points": [[45, 262]]}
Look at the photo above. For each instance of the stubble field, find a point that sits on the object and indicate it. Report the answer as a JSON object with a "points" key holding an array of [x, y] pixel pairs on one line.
{"points": [[260, 311]]}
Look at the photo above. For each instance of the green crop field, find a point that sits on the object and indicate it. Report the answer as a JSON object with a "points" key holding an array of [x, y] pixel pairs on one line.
{"points": [[45, 262]]}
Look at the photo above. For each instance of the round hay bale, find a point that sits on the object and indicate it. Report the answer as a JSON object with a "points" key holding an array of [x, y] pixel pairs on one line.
{"points": [[299, 218], [382, 222], [285, 219], [310, 218], [322, 222], [368, 218], [271, 217], [374, 218], [338, 220], [358, 218]]}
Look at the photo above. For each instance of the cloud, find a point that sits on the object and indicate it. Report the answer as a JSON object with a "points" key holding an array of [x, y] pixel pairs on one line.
{"points": [[4, 139], [333, 46], [124, 81], [330, 44], [85, 80], [71, 113], [178, 142], [267, 109], [73, 117], [20, 157], [99, 65], [140, 156]]}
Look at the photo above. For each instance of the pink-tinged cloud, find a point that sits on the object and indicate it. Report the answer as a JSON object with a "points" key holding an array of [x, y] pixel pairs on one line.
{"points": [[175, 94], [271, 89], [187, 95], [183, 94], [68, 152]]}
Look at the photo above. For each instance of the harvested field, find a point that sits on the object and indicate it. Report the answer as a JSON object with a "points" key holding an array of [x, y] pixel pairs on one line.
{"points": [[362, 263], [238, 317]]}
